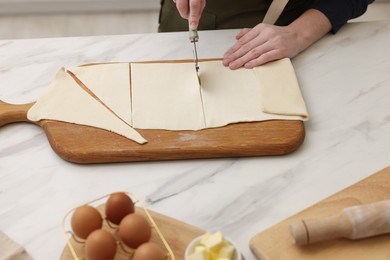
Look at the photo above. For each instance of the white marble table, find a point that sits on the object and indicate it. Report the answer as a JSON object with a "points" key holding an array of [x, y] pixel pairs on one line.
{"points": [[345, 79]]}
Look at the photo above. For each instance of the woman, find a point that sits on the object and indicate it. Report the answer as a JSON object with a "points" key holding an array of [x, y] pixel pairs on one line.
{"points": [[301, 23]]}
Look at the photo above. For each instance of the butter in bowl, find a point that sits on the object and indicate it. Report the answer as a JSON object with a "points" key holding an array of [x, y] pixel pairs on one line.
{"points": [[212, 246]]}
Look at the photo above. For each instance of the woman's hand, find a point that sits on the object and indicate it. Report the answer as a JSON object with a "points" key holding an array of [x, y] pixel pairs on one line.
{"points": [[265, 43], [260, 45], [191, 10]]}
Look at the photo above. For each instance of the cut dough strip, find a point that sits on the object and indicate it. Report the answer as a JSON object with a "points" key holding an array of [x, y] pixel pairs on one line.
{"points": [[280, 93], [167, 96]]}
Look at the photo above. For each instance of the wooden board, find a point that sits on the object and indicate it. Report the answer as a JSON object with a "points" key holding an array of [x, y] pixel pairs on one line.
{"points": [[83, 144], [178, 235], [276, 242]]}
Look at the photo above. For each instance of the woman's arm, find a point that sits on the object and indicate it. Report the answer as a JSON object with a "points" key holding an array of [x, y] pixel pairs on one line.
{"points": [[340, 11], [265, 43]]}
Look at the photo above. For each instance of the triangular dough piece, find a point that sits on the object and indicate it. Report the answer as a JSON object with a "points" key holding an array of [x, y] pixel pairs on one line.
{"points": [[110, 83], [66, 101]]}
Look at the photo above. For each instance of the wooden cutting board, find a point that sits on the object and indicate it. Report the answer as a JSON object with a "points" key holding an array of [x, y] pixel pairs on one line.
{"points": [[83, 144], [178, 235], [276, 242]]}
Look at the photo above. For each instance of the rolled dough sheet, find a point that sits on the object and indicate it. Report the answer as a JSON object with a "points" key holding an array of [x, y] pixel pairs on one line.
{"points": [[168, 96], [66, 101], [104, 80]]}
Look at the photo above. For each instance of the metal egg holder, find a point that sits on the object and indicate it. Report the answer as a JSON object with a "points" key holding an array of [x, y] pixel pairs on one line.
{"points": [[76, 244]]}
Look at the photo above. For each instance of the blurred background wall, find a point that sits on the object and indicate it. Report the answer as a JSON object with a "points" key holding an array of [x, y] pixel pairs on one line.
{"points": [[58, 18]]}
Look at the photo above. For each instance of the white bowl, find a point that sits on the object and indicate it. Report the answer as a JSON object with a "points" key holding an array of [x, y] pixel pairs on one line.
{"points": [[196, 241]]}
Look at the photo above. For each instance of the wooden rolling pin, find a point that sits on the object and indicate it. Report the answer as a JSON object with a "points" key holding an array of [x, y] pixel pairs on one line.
{"points": [[353, 222]]}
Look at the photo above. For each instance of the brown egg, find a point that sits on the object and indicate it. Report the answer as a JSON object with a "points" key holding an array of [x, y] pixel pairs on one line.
{"points": [[149, 251], [118, 206], [134, 230], [100, 245], [85, 219]]}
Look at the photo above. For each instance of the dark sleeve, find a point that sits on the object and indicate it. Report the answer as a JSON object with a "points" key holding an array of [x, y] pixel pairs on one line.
{"points": [[340, 11]]}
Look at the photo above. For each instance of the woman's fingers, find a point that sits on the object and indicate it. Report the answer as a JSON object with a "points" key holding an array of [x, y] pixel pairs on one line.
{"points": [[245, 44], [242, 33], [182, 7], [191, 10], [196, 9]]}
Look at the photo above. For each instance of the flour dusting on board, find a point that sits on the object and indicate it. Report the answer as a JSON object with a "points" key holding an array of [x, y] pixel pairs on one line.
{"points": [[187, 137]]}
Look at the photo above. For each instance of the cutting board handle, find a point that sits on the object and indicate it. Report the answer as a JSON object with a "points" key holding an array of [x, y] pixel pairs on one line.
{"points": [[10, 113]]}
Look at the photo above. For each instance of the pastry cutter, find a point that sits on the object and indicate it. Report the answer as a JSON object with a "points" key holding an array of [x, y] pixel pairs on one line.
{"points": [[194, 37]]}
